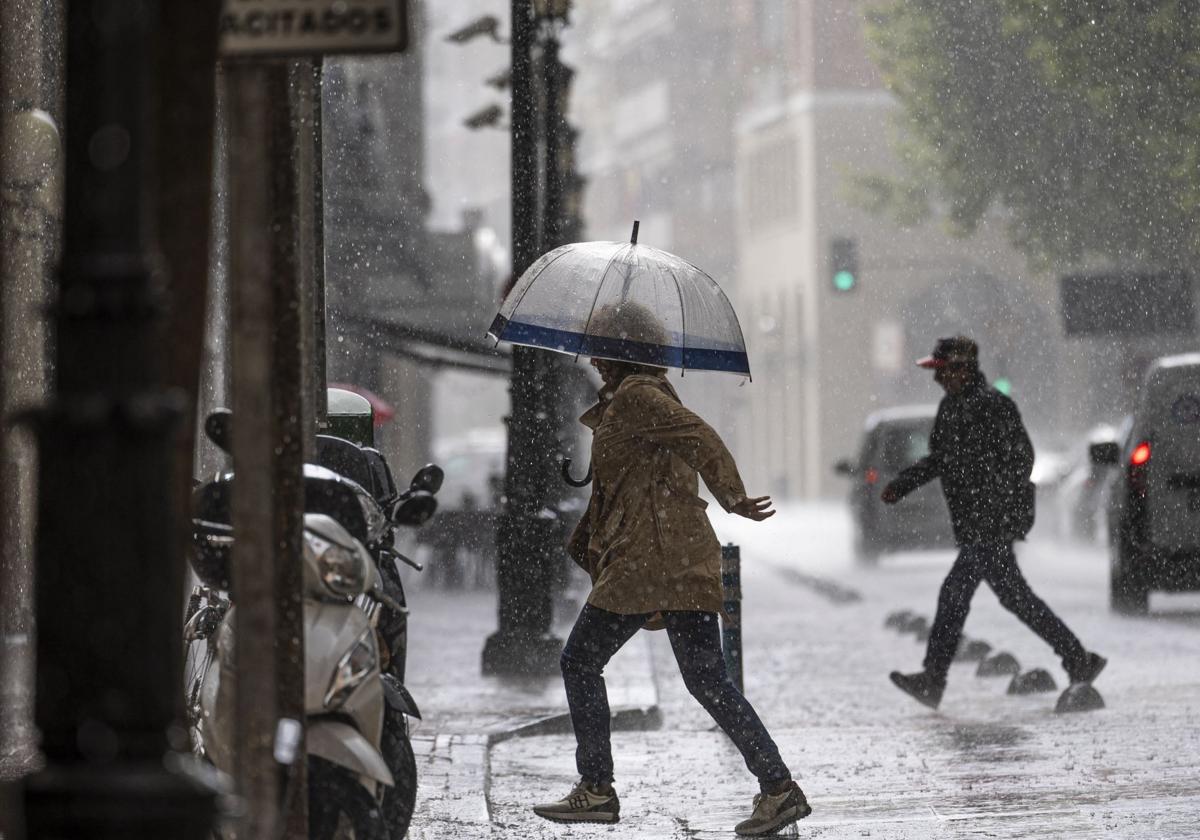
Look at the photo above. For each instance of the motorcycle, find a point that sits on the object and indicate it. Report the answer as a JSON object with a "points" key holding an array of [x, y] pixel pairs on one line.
{"points": [[360, 760]]}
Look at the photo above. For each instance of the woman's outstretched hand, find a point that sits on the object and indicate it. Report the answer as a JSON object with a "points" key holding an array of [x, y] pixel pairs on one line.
{"points": [[757, 509]]}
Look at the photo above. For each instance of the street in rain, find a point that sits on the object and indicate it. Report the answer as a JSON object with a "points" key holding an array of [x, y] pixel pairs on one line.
{"points": [[634, 418]]}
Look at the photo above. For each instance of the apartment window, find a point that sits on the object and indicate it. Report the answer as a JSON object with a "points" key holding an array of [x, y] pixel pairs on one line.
{"points": [[770, 188], [623, 8], [773, 24], [642, 111]]}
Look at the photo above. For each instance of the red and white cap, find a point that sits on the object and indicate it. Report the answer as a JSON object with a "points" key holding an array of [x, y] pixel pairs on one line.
{"points": [[958, 350]]}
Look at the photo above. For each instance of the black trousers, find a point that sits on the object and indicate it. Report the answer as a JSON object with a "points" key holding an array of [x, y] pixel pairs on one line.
{"points": [[996, 564], [696, 642]]}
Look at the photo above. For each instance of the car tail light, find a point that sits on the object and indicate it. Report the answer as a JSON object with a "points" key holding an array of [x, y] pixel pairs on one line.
{"points": [[871, 475], [1139, 463], [1140, 454]]}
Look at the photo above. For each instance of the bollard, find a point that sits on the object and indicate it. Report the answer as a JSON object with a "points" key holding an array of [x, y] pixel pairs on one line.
{"points": [[731, 625]]}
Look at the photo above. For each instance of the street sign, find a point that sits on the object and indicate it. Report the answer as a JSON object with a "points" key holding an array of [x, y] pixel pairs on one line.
{"points": [[270, 28], [1127, 303]]}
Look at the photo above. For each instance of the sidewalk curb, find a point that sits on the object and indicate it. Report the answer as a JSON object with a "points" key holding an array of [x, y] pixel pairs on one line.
{"points": [[467, 759], [642, 717], [629, 719], [832, 590]]}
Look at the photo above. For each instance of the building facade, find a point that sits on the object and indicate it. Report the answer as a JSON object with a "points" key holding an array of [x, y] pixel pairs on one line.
{"points": [[407, 301], [815, 118], [655, 98]]}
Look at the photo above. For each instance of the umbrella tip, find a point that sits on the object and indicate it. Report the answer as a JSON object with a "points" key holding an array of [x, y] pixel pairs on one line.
{"points": [[633, 236]]}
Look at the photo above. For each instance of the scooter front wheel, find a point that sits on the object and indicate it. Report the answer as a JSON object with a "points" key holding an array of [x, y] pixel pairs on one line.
{"points": [[400, 799], [336, 799]]}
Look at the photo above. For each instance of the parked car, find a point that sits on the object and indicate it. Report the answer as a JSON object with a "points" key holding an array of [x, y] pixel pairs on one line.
{"points": [[1080, 492], [462, 541], [1154, 505], [474, 465], [892, 440]]}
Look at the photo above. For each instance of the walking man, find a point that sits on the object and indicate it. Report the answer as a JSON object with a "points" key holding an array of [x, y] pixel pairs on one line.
{"points": [[982, 454]]}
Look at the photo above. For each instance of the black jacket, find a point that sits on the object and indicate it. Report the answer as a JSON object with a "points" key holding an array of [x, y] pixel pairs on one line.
{"points": [[982, 454]]}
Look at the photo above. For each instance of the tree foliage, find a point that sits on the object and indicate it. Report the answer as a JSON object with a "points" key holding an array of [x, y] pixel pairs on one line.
{"points": [[1080, 118]]}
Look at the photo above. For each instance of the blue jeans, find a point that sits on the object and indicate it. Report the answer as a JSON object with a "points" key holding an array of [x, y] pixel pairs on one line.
{"points": [[696, 640]]}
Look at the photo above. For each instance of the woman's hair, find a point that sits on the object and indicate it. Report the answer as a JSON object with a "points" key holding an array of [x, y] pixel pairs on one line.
{"points": [[624, 369], [629, 321]]}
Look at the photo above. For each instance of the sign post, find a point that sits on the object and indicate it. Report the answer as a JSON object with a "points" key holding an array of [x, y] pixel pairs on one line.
{"points": [[274, 28], [271, 50], [731, 626]]}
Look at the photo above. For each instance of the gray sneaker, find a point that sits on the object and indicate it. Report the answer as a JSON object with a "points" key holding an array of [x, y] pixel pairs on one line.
{"points": [[584, 804], [773, 812]]}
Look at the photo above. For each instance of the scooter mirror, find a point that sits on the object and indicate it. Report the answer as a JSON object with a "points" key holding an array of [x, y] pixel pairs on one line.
{"points": [[218, 426], [415, 509], [428, 478]]}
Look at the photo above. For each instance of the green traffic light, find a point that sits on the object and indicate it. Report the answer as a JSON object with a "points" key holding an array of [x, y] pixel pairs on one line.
{"points": [[1003, 385], [843, 281]]}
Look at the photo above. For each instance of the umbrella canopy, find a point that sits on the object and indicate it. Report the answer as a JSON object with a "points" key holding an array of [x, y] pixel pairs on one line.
{"points": [[623, 301]]}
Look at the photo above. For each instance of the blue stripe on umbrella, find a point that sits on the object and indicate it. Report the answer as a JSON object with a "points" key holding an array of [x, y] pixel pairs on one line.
{"points": [[565, 341]]}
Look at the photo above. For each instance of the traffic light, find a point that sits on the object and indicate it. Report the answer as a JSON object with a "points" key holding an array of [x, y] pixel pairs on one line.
{"points": [[843, 264], [1003, 384]]}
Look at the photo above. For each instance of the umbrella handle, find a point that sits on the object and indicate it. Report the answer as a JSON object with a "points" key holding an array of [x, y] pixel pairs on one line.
{"points": [[575, 482]]}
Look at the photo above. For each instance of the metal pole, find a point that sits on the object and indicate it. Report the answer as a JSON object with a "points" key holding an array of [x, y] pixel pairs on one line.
{"points": [[321, 380], [268, 411], [526, 537], [186, 56], [731, 625], [554, 76], [30, 230], [216, 370], [305, 87], [566, 383], [107, 584]]}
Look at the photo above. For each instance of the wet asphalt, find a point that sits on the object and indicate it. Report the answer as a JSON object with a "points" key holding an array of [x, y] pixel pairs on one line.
{"points": [[873, 762]]}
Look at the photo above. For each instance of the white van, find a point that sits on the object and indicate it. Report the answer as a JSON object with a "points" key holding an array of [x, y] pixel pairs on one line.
{"points": [[1154, 510]]}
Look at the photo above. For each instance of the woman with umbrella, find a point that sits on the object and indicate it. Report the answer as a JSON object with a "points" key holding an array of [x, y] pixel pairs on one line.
{"points": [[645, 539]]}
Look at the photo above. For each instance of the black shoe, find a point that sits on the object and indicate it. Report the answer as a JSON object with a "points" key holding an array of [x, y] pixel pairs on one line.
{"points": [[1088, 669], [921, 686]]}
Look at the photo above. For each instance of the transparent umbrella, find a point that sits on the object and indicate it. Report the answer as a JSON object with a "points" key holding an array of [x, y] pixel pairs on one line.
{"points": [[623, 301]]}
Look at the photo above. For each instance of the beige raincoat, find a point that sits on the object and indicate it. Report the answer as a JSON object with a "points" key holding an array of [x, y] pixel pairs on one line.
{"points": [[645, 538]]}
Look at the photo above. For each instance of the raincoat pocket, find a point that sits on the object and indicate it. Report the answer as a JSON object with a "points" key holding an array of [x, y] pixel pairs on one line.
{"points": [[609, 528], [670, 493]]}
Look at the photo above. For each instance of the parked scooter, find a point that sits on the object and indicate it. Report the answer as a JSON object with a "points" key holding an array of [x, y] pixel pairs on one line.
{"points": [[349, 449], [360, 761], [367, 468]]}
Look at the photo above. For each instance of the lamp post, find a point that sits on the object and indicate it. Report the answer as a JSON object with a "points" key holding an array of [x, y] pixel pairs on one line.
{"points": [[545, 214], [530, 534], [30, 219]]}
